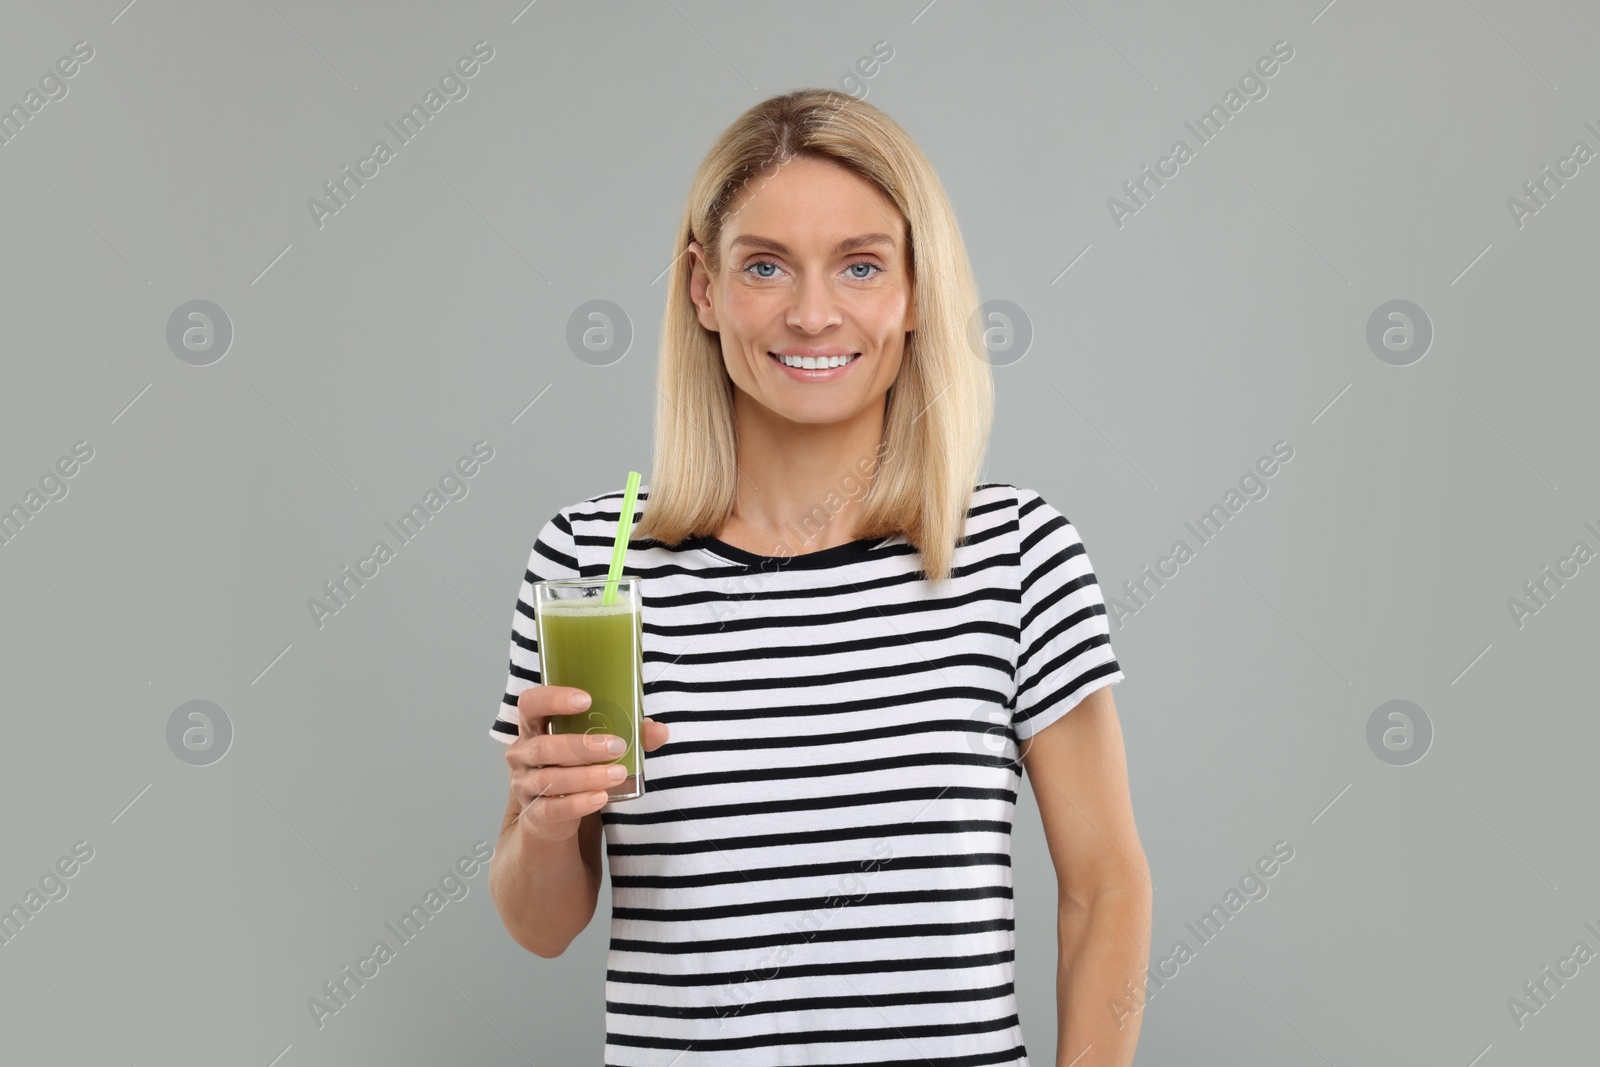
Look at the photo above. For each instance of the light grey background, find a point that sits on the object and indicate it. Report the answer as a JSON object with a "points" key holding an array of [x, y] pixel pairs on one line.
{"points": [[369, 354]]}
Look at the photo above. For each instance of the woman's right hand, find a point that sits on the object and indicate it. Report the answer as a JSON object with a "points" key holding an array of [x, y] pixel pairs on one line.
{"points": [[557, 779]]}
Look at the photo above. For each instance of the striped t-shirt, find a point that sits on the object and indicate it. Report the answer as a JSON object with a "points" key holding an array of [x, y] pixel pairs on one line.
{"points": [[819, 871]]}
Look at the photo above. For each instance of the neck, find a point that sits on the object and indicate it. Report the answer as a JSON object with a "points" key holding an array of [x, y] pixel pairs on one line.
{"points": [[800, 484]]}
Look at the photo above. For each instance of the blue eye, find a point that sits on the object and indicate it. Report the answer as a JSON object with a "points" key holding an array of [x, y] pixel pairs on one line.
{"points": [[873, 270]]}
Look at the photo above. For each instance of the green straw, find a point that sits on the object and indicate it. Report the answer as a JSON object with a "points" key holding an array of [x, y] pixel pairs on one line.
{"points": [[620, 547]]}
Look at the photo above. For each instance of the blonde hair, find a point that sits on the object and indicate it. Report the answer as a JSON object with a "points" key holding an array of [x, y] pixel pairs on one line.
{"points": [[938, 412]]}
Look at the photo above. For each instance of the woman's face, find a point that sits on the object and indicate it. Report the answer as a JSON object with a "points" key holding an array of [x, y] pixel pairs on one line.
{"points": [[814, 262]]}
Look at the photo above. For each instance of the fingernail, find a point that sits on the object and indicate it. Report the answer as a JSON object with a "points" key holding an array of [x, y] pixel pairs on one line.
{"points": [[616, 772], [580, 701], [616, 744]]}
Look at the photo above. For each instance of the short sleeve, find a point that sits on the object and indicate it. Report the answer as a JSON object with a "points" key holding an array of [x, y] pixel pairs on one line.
{"points": [[554, 555], [1064, 646]]}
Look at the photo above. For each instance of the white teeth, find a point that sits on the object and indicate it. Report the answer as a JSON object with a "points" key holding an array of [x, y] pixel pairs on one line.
{"points": [[815, 362]]}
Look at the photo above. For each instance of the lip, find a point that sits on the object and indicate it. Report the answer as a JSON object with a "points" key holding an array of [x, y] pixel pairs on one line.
{"points": [[814, 350], [828, 374]]}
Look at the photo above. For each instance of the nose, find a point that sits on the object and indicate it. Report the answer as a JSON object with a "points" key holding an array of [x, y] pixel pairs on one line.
{"points": [[814, 308]]}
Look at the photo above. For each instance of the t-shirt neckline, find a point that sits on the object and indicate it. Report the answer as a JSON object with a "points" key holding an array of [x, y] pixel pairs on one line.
{"points": [[822, 557]]}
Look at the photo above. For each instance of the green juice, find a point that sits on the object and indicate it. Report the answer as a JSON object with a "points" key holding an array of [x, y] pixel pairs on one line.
{"points": [[596, 649]]}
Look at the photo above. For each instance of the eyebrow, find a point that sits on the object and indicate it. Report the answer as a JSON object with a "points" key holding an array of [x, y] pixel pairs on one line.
{"points": [[849, 244]]}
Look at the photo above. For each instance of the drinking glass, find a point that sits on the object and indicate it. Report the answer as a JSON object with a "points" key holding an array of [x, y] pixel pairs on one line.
{"points": [[596, 647]]}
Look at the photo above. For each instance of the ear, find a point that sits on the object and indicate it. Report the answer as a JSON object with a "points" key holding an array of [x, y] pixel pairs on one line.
{"points": [[700, 286]]}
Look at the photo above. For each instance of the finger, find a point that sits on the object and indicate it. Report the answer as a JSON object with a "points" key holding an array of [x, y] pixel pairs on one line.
{"points": [[654, 735], [566, 781], [571, 750], [537, 703], [549, 816]]}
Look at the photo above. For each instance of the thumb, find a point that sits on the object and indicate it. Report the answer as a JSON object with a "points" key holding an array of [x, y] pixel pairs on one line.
{"points": [[654, 734]]}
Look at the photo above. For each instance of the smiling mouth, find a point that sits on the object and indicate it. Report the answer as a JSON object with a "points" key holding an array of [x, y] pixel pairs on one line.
{"points": [[815, 363]]}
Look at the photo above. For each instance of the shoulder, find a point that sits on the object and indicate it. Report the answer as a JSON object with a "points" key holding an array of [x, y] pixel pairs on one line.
{"points": [[1045, 536], [994, 496], [592, 520], [1029, 508], [1031, 505], [599, 509]]}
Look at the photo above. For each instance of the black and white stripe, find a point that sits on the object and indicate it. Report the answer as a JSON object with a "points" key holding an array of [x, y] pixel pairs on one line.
{"points": [[819, 871]]}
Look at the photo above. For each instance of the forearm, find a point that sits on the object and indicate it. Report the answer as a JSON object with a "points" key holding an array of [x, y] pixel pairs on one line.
{"points": [[544, 890], [1103, 948]]}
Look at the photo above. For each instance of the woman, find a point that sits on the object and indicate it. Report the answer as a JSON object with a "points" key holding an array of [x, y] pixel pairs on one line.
{"points": [[852, 644]]}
